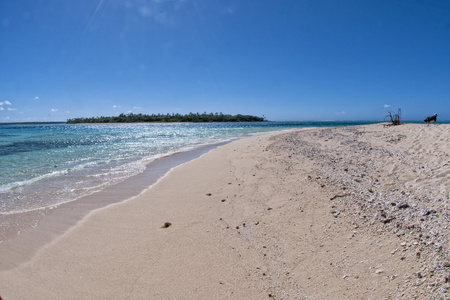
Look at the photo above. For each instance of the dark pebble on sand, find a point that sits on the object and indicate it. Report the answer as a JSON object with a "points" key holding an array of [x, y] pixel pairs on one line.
{"points": [[166, 225]]}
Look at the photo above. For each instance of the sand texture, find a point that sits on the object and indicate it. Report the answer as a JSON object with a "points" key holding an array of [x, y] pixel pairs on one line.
{"points": [[326, 213]]}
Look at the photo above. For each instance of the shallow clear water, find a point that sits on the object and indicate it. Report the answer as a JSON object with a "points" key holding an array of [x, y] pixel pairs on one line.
{"points": [[44, 165]]}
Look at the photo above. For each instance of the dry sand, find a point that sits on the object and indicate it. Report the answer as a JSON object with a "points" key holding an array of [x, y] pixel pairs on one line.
{"points": [[328, 213]]}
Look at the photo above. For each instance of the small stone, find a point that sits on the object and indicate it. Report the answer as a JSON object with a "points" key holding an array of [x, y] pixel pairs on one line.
{"points": [[403, 206], [387, 220], [379, 271], [166, 225]]}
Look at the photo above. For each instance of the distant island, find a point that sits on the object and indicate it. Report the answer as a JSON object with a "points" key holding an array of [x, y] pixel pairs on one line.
{"points": [[169, 118]]}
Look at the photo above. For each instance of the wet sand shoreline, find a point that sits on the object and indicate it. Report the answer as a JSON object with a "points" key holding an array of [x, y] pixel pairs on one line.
{"points": [[32, 230]]}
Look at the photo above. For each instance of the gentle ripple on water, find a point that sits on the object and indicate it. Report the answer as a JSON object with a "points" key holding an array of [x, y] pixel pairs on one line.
{"points": [[43, 165]]}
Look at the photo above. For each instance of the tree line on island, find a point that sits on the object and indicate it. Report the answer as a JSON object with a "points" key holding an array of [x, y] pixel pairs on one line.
{"points": [[169, 118]]}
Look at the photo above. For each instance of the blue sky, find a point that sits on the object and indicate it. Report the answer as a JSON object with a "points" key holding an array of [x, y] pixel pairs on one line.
{"points": [[284, 59]]}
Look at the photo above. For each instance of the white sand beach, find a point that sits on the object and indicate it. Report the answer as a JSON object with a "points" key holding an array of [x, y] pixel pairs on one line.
{"points": [[356, 212]]}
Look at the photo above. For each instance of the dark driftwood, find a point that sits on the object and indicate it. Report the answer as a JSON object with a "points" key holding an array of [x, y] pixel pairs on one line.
{"points": [[395, 119]]}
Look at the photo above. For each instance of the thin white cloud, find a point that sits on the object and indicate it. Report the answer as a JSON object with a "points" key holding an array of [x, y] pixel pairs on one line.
{"points": [[340, 113], [36, 98], [54, 109], [387, 106], [11, 108], [1, 108], [6, 102], [117, 106], [94, 15]]}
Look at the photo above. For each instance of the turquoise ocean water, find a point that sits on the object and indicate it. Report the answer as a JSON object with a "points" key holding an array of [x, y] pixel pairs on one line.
{"points": [[45, 165]]}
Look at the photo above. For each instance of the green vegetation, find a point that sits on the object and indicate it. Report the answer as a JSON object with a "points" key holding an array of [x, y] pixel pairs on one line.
{"points": [[168, 118]]}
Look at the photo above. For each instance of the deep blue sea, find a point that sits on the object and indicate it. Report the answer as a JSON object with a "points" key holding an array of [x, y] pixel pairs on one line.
{"points": [[45, 165]]}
